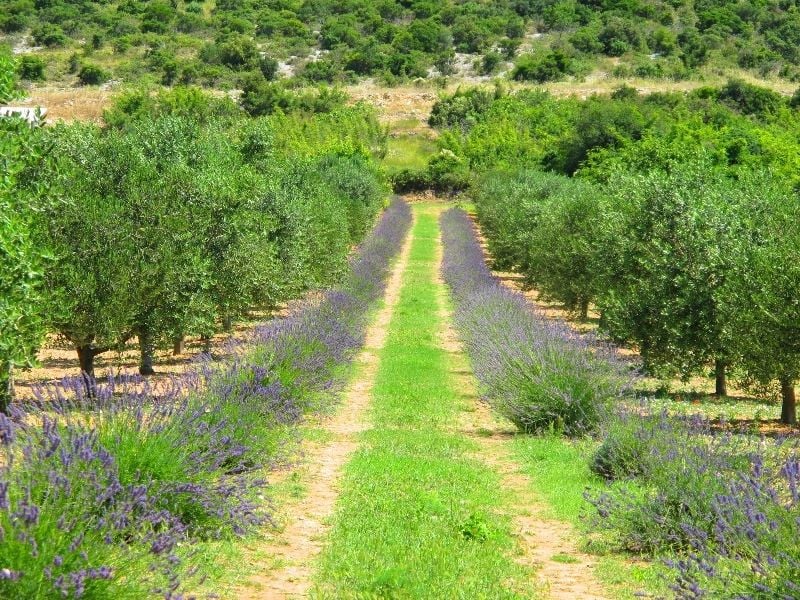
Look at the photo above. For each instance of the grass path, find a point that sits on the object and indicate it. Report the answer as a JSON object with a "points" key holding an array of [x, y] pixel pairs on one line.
{"points": [[289, 557], [434, 504], [420, 516], [415, 489], [545, 543]]}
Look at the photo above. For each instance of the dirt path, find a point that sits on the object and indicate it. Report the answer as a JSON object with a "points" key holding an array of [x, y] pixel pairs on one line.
{"points": [[295, 548], [548, 545]]}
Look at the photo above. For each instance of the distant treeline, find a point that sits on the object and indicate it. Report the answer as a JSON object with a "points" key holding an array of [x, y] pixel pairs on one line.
{"points": [[220, 44]]}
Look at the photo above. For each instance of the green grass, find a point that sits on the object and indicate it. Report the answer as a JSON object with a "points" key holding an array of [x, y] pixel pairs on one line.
{"points": [[559, 470], [418, 517], [408, 152]]}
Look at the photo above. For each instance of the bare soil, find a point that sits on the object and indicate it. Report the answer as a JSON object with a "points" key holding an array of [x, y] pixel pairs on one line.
{"points": [[304, 524]]}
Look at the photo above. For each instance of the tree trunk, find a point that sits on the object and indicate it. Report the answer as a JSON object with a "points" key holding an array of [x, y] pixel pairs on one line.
{"points": [[6, 386], [721, 376], [206, 339], [585, 309], [227, 323], [178, 346], [789, 406], [86, 356], [147, 349]]}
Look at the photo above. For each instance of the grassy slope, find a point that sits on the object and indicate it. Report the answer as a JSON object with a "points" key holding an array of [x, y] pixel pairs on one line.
{"points": [[419, 518]]}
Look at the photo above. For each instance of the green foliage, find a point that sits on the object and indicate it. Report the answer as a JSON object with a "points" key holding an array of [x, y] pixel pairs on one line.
{"points": [[181, 101], [750, 99], [461, 109], [668, 254], [209, 216], [762, 288], [8, 77], [90, 74], [394, 39], [31, 68], [22, 260], [389, 39], [260, 97], [540, 68], [544, 225]]}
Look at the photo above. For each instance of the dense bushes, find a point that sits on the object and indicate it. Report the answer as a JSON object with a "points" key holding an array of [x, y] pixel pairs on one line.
{"points": [[392, 40], [325, 41]]}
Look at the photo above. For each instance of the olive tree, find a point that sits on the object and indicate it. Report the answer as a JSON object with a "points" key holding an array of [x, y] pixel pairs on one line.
{"points": [[563, 259], [667, 255], [765, 287], [88, 280]]}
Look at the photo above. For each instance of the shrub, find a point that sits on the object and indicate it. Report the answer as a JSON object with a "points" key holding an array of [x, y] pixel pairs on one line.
{"points": [[410, 180], [632, 440], [268, 67], [751, 99], [490, 62], [71, 527], [694, 492], [49, 35], [31, 68], [92, 75], [448, 173], [463, 109], [550, 66]]}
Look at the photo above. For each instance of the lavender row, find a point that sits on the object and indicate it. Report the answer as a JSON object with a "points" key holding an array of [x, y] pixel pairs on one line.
{"points": [[537, 372], [723, 508], [104, 494]]}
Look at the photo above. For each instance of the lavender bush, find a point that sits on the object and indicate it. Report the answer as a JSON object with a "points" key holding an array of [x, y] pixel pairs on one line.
{"points": [[537, 372], [104, 487], [70, 527], [722, 506]]}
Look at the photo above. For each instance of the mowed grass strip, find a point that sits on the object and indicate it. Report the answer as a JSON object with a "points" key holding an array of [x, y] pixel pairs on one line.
{"points": [[418, 517], [559, 471]]}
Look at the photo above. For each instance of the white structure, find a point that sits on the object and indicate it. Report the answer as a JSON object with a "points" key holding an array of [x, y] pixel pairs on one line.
{"points": [[34, 116]]}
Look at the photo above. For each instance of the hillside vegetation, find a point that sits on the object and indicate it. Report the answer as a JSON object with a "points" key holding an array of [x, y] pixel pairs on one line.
{"points": [[230, 44]]}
